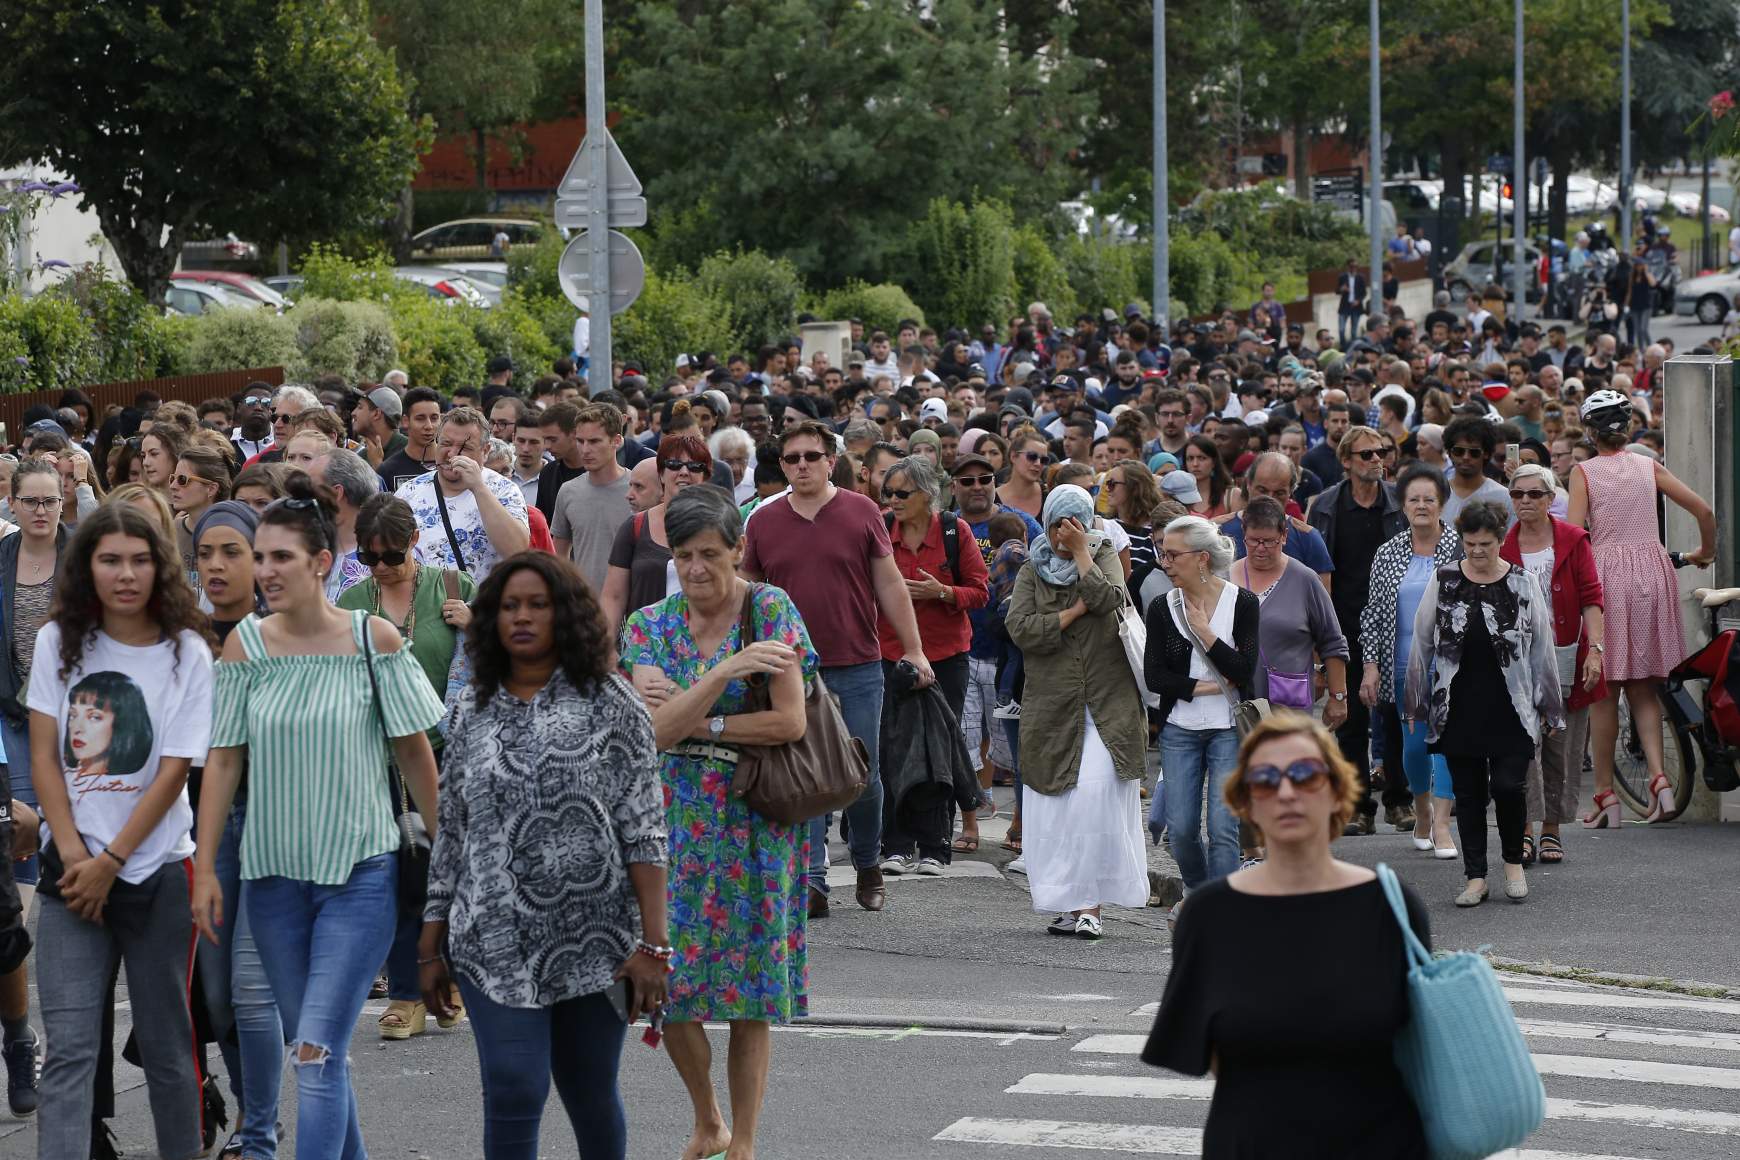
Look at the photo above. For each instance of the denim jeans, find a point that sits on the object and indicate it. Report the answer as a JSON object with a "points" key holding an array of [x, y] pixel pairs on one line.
{"points": [[322, 946], [239, 999], [578, 1042], [16, 739], [859, 689], [1426, 772], [1194, 761]]}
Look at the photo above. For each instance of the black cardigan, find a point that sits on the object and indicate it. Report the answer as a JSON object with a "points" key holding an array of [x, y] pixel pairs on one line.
{"points": [[1166, 664]]}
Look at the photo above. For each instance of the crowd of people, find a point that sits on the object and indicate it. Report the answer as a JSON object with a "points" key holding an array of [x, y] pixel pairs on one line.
{"points": [[439, 697]]}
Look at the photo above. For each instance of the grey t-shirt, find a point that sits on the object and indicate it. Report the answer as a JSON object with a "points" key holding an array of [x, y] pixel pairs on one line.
{"points": [[588, 515], [1490, 491]]}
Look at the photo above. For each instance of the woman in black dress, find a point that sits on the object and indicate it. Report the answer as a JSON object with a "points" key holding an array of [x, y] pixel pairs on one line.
{"points": [[1292, 1035]]}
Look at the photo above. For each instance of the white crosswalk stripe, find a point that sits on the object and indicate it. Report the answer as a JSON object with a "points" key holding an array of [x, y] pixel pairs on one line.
{"points": [[1666, 1086]]}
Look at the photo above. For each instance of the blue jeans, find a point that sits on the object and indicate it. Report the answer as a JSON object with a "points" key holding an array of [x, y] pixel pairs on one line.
{"points": [[859, 689], [238, 994], [321, 946], [1194, 760], [17, 742], [1425, 771], [578, 1042]]}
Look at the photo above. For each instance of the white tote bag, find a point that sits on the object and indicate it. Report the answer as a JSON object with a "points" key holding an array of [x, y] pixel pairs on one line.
{"points": [[1134, 634]]}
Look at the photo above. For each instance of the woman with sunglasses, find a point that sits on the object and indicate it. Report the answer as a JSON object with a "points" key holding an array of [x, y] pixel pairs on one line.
{"points": [[1024, 490], [1133, 494], [1559, 556], [1287, 1042], [202, 478], [1482, 675], [641, 570], [431, 609]]}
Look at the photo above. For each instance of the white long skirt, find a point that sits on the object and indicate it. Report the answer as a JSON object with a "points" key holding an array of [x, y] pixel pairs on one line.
{"points": [[1084, 846]]}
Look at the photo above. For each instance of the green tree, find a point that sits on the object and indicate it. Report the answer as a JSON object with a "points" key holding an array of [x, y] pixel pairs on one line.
{"points": [[1298, 52], [829, 125], [962, 261], [273, 117], [759, 295]]}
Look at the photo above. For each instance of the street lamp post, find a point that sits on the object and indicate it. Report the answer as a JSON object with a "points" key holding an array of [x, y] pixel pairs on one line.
{"points": [[1162, 289], [1519, 180], [1375, 148], [1625, 126]]}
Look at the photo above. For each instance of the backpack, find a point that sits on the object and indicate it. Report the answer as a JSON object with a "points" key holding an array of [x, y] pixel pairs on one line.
{"points": [[951, 537]]}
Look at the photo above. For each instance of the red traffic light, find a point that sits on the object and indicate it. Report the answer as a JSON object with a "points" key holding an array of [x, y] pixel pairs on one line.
{"points": [[1505, 189]]}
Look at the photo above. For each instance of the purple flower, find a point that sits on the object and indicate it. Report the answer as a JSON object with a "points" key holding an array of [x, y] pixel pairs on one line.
{"points": [[64, 187], [54, 264], [35, 187], [22, 360]]}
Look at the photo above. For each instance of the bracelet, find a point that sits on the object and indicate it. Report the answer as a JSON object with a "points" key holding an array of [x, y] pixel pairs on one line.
{"points": [[431, 959], [661, 954], [119, 861]]}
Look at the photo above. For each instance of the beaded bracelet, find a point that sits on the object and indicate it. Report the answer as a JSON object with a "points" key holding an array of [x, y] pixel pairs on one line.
{"points": [[662, 954], [431, 959]]}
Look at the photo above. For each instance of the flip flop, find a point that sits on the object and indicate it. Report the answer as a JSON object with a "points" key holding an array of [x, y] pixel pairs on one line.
{"points": [[965, 844], [1012, 841]]}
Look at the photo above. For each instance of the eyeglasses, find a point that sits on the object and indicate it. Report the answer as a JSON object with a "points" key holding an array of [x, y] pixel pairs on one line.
{"points": [[1306, 775], [793, 458], [1467, 453], [183, 480], [369, 559], [1369, 453], [975, 480], [688, 465], [42, 503], [281, 417], [898, 494], [466, 448], [1262, 542], [1528, 493], [1167, 557]]}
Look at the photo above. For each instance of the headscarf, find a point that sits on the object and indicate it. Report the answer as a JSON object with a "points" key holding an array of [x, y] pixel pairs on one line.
{"points": [[1066, 501], [970, 440], [921, 436], [227, 513]]}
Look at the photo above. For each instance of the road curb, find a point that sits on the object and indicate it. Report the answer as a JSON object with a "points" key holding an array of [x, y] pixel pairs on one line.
{"points": [[1615, 979], [936, 1023]]}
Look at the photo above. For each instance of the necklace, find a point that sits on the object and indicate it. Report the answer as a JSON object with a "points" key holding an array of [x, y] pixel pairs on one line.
{"points": [[37, 569], [408, 630]]}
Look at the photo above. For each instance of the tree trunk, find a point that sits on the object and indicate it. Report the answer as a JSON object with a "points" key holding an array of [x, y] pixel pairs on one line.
{"points": [[403, 225], [1301, 153], [1453, 171], [147, 257], [1558, 155]]}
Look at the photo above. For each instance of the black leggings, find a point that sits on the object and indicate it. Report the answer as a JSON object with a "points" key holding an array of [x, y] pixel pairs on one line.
{"points": [[1505, 780]]}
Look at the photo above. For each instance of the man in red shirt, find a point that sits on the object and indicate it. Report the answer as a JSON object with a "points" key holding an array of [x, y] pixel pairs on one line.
{"points": [[829, 550]]}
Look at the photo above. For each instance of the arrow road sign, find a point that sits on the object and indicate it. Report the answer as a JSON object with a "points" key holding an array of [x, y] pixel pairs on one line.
{"points": [[627, 272]]}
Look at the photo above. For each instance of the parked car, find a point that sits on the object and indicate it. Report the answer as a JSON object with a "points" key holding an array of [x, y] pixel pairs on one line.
{"points": [[1708, 298], [443, 284], [288, 285], [469, 239], [244, 284], [489, 278], [190, 297], [1469, 271]]}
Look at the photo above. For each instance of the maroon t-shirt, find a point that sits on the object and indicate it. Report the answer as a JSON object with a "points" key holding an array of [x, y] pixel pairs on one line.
{"points": [[824, 565]]}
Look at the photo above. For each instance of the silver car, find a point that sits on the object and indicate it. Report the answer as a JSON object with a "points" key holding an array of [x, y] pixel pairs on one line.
{"points": [[1708, 298]]}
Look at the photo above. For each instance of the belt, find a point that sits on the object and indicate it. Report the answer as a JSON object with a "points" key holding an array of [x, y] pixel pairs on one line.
{"points": [[706, 750]]}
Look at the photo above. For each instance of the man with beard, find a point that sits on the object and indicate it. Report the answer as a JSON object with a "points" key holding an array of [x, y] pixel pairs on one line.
{"points": [[253, 433]]}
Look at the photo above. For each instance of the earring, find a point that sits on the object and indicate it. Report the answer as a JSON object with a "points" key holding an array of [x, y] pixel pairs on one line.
{"points": [[1202, 576]]}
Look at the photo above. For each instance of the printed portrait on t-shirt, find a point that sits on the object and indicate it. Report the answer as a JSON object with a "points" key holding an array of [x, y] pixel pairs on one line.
{"points": [[108, 733]]}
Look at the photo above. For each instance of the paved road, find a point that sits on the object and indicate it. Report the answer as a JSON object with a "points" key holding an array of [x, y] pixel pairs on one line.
{"points": [[950, 1026]]}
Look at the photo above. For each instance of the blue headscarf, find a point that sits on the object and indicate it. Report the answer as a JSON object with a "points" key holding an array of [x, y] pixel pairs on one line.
{"points": [[1065, 502]]}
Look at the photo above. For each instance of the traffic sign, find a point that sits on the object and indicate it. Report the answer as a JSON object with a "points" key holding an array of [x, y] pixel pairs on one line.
{"points": [[575, 213], [622, 190], [1340, 191], [627, 272], [1498, 163]]}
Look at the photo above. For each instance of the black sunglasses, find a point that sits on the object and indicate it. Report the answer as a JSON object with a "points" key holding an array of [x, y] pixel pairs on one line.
{"points": [[975, 480], [1468, 452], [897, 493], [1370, 453], [369, 559], [683, 465], [793, 458], [1306, 774]]}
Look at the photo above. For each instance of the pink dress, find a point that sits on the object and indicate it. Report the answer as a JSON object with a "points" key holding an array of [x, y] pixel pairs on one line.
{"points": [[1645, 638]]}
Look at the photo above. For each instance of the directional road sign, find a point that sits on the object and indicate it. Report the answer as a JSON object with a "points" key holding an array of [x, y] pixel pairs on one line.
{"points": [[627, 272], [623, 190]]}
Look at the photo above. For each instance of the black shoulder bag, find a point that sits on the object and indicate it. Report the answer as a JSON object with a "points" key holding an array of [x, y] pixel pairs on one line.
{"points": [[446, 522], [413, 833]]}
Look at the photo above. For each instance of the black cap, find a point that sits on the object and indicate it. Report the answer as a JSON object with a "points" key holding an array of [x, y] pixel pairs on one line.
{"points": [[500, 363]]}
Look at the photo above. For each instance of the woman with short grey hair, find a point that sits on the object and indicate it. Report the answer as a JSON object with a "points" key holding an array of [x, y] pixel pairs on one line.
{"points": [[945, 586], [733, 447], [738, 886]]}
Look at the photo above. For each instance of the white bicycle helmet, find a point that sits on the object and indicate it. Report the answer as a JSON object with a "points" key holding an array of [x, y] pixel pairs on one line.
{"points": [[1607, 410]]}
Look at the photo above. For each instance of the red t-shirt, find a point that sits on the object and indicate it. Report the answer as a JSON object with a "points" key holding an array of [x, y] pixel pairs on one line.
{"points": [[824, 565]]}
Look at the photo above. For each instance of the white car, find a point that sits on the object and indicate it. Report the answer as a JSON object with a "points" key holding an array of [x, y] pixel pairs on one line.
{"points": [[493, 273], [443, 284], [186, 297], [1708, 298]]}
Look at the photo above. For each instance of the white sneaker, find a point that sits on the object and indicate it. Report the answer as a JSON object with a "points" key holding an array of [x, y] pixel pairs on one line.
{"points": [[930, 867], [1018, 866], [1087, 926], [897, 864], [1007, 711]]}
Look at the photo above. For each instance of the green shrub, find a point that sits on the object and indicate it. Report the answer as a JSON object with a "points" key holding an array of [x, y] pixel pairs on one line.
{"points": [[241, 336], [354, 340], [878, 307], [518, 332], [1105, 273], [554, 316], [58, 346], [532, 269], [132, 341], [437, 347], [1040, 276], [962, 261], [328, 273], [759, 294], [672, 316]]}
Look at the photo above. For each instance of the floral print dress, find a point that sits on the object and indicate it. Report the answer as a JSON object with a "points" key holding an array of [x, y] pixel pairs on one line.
{"points": [[739, 884]]}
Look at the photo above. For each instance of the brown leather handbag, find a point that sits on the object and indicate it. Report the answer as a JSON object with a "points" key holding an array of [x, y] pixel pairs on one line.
{"points": [[821, 772]]}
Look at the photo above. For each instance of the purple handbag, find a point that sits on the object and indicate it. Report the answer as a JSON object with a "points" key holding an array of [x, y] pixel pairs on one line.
{"points": [[1288, 690]]}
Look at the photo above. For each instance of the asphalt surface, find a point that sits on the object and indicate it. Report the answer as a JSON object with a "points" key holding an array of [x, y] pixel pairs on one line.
{"points": [[950, 1025]]}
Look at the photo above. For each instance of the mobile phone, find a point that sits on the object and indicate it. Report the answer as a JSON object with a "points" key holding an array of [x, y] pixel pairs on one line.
{"points": [[1512, 456], [617, 993]]}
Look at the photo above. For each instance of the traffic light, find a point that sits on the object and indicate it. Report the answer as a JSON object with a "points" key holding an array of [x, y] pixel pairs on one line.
{"points": [[1504, 190]]}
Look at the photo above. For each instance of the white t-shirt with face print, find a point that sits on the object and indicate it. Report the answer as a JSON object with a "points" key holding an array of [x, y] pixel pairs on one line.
{"points": [[118, 714]]}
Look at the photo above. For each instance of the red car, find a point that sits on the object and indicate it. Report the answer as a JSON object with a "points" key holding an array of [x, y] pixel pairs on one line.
{"points": [[245, 284]]}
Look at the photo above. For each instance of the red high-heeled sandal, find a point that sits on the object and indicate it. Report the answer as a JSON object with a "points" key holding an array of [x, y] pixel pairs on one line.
{"points": [[1661, 798], [1605, 815]]}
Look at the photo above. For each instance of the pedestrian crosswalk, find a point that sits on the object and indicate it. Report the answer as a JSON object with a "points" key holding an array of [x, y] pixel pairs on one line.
{"points": [[1619, 1087]]}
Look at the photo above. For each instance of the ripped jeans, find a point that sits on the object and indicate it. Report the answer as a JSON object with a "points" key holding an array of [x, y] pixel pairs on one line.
{"points": [[321, 946]]}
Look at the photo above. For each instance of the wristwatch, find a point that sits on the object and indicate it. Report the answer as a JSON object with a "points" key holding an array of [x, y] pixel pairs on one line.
{"points": [[716, 727], [1342, 696], [1599, 649]]}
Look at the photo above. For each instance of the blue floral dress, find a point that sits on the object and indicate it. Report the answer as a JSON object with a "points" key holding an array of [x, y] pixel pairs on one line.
{"points": [[739, 884]]}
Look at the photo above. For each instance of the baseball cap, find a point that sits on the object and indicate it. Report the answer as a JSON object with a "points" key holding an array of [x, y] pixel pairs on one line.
{"points": [[682, 362], [1021, 372], [975, 371], [933, 409], [971, 459], [387, 402], [1133, 310], [500, 363], [1494, 391], [1064, 383], [1247, 336], [1181, 486], [1020, 397]]}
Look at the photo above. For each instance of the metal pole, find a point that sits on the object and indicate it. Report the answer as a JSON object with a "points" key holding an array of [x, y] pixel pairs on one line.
{"points": [[1708, 261], [1519, 272], [1162, 289], [598, 224], [1624, 238], [1375, 146]]}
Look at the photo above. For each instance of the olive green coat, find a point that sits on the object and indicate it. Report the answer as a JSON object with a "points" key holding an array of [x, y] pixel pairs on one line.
{"points": [[1069, 669]]}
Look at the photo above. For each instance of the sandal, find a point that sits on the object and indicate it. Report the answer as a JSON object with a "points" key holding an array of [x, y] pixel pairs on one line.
{"points": [[966, 844], [1012, 840], [404, 1018], [1528, 855], [1551, 851]]}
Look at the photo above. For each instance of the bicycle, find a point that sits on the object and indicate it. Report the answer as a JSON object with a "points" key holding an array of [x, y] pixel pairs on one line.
{"points": [[1689, 727]]}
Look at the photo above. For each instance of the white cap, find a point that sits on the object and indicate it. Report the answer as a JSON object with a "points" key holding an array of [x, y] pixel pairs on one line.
{"points": [[933, 409]]}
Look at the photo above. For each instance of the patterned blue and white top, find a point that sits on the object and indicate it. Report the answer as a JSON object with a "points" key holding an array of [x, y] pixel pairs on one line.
{"points": [[432, 545]]}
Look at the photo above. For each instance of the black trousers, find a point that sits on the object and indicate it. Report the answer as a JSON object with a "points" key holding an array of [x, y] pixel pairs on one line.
{"points": [[1503, 780], [930, 829], [1354, 736]]}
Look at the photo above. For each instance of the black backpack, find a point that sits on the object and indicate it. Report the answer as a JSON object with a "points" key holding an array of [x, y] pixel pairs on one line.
{"points": [[951, 536]]}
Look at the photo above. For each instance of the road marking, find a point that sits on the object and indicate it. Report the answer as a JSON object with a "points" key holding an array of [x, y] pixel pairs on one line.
{"points": [[1639, 1071], [1112, 1044], [1623, 1001], [1639, 1116], [1624, 1033], [1078, 997], [1148, 1009], [1134, 1139]]}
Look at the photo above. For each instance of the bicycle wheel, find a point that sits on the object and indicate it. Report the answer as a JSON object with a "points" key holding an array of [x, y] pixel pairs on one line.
{"points": [[1631, 769]]}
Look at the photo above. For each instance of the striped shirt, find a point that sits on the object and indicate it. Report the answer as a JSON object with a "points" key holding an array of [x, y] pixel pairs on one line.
{"points": [[317, 767]]}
